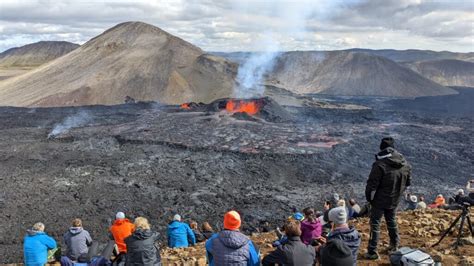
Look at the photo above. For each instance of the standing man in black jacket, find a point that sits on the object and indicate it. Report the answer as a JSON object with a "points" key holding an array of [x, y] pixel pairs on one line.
{"points": [[294, 252], [388, 179]]}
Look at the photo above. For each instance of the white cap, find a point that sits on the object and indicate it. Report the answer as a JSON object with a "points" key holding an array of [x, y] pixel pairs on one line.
{"points": [[413, 198], [461, 191], [177, 217], [120, 215]]}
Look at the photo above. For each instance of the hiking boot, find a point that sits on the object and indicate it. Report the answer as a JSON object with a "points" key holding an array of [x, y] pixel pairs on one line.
{"points": [[393, 248], [371, 256]]}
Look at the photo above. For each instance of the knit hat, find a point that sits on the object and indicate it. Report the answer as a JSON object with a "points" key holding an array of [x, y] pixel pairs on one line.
{"points": [[120, 215], [336, 252], [232, 220], [177, 217], [461, 191], [387, 142], [298, 216], [413, 198], [338, 215]]}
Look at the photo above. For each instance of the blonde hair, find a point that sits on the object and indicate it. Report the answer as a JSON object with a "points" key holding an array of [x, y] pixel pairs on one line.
{"points": [[77, 222], [38, 227], [142, 223], [193, 225]]}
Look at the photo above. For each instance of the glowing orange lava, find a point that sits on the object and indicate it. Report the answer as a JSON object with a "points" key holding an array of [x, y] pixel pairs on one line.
{"points": [[185, 106], [249, 107]]}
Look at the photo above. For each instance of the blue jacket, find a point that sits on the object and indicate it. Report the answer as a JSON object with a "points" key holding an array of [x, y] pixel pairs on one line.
{"points": [[178, 235], [350, 236], [35, 247], [231, 248]]}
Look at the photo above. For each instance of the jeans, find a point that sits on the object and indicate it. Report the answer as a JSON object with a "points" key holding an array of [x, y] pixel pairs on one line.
{"points": [[375, 220]]}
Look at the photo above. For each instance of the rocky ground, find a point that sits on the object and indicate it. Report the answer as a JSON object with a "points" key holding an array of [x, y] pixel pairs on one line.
{"points": [[155, 161]]}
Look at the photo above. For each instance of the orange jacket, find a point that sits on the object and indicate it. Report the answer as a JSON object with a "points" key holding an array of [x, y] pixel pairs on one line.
{"points": [[440, 201], [121, 229]]}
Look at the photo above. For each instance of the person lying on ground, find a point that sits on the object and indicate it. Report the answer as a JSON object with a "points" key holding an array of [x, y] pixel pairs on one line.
{"points": [[411, 201], [342, 231], [180, 234], [294, 252], [141, 247], [36, 245], [121, 229], [311, 228], [230, 246], [78, 242]]}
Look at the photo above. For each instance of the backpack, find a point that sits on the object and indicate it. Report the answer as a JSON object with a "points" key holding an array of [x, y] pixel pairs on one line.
{"points": [[410, 257]]}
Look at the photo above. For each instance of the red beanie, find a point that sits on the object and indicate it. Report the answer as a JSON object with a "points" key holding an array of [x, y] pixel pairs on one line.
{"points": [[232, 220]]}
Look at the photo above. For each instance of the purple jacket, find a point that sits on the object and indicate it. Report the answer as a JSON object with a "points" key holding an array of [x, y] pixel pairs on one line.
{"points": [[310, 231]]}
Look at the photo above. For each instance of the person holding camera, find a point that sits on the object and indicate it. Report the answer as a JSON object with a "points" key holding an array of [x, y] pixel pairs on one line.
{"points": [[388, 179]]}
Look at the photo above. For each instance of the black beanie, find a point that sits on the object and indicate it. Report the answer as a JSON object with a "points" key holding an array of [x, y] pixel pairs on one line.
{"points": [[387, 142], [336, 253]]}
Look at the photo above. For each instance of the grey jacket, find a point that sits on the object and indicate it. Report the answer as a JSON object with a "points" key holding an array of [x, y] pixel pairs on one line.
{"points": [[77, 242]]}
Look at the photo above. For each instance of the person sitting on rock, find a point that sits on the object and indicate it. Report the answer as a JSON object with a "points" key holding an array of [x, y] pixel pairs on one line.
{"points": [[79, 244], [206, 230], [36, 245], [311, 228], [349, 235], [121, 229], [294, 252], [141, 248], [180, 234], [230, 246], [411, 201], [336, 253], [353, 203], [438, 202], [197, 234], [421, 203]]}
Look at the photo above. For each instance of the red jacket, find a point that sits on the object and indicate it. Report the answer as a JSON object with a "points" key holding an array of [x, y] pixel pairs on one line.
{"points": [[121, 229]]}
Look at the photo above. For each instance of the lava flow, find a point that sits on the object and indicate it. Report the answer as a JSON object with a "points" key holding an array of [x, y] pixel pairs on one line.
{"points": [[250, 107], [185, 106]]}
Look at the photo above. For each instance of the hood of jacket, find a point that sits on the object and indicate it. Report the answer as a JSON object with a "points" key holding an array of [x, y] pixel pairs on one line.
{"points": [[233, 239], [31, 232], [75, 230], [310, 225], [121, 221], [391, 157], [142, 234], [347, 233], [174, 224]]}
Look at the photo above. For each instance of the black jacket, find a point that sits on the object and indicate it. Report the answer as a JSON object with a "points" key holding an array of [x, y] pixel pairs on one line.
{"points": [[293, 253], [390, 176], [141, 248]]}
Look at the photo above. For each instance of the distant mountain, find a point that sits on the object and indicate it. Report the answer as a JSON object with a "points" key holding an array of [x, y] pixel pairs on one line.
{"points": [[415, 55], [350, 73], [35, 54], [131, 59], [448, 72]]}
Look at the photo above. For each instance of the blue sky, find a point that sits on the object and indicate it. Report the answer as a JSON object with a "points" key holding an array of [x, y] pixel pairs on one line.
{"points": [[224, 25]]}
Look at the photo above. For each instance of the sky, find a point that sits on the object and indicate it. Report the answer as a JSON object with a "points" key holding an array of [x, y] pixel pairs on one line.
{"points": [[224, 25]]}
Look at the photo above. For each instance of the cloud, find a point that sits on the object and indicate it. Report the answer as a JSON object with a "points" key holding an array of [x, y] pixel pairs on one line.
{"points": [[236, 25]]}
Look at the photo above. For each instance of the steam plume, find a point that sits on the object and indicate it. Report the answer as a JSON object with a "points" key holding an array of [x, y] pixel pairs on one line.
{"points": [[69, 122]]}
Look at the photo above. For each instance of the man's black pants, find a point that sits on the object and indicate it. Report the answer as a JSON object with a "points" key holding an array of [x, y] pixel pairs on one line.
{"points": [[375, 221]]}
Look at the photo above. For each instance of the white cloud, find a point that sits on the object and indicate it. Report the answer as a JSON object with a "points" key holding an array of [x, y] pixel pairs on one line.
{"points": [[228, 25]]}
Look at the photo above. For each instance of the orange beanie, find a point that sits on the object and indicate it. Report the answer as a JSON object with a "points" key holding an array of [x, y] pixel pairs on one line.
{"points": [[232, 220]]}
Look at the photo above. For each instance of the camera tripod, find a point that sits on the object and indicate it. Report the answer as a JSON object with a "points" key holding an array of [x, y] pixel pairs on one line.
{"points": [[464, 216]]}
